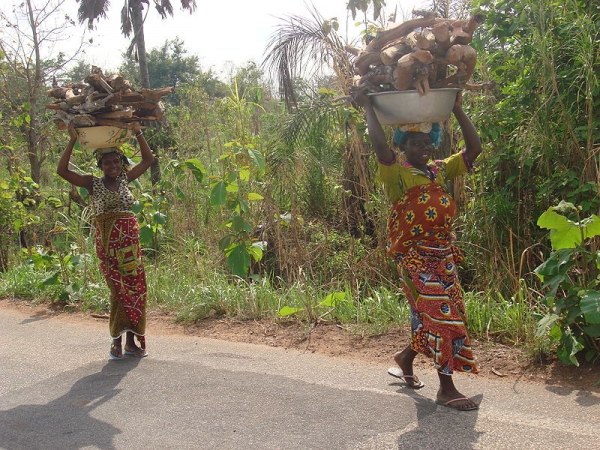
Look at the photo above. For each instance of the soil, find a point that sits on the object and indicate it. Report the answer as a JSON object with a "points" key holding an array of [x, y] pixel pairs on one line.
{"points": [[494, 360]]}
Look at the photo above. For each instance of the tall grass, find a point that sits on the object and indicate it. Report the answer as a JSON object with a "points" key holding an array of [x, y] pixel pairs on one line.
{"points": [[189, 291]]}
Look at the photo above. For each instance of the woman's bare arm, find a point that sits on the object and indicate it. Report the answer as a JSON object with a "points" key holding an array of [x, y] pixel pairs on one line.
{"points": [[384, 153], [63, 170], [470, 135], [147, 156]]}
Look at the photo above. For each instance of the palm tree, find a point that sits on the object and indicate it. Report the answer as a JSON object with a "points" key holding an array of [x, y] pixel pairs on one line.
{"points": [[310, 47], [132, 20]]}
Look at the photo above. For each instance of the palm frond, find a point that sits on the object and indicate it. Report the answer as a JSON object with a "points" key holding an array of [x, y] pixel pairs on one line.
{"points": [[318, 116], [188, 5], [126, 24], [164, 8], [91, 10], [305, 46]]}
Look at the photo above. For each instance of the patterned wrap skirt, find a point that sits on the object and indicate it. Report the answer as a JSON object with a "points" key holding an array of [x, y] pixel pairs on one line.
{"points": [[420, 240], [118, 248]]}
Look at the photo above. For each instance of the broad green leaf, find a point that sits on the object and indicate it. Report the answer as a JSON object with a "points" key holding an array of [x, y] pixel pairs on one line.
{"points": [[592, 330], [244, 174], [159, 218], [195, 164], [243, 207], [137, 207], [555, 332], [551, 220], [232, 187], [232, 177], [557, 262], [255, 252], [237, 223], [257, 158], [590, 306], [50, 281], [218, 195], [592, 227], [568, 348], [545, 324], [568, 238], [238, 261], [225, 242], [563, 232], [288, 311], [254, 196], [333, 299], [179, 194], [146, 235]]}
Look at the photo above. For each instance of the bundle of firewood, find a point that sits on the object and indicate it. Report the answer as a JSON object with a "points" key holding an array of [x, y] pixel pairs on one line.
{"points": [[104, 100], [422, 54]]}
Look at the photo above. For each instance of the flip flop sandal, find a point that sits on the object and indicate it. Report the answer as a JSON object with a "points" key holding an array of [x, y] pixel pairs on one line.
{"points": [[138, 353], [112, 356], [396, 372], [449, 404]]}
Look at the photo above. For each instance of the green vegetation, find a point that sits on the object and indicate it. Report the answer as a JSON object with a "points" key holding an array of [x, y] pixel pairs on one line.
{"points": [[271, 209]]}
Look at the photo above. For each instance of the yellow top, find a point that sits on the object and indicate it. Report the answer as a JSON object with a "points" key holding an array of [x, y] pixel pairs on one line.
{"points": [[397, 178]]}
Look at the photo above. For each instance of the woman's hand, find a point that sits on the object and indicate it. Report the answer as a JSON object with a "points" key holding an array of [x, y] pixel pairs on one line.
{"points": [[458, 101], [72, 132], [360, 97]]}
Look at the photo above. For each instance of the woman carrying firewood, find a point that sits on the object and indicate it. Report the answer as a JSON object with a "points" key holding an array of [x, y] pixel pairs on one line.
{"points": [[117, 239], [420, 239]]}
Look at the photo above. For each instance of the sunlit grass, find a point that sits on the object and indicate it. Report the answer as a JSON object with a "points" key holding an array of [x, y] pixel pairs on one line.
{"points": [[190, 289], [493, 317]]}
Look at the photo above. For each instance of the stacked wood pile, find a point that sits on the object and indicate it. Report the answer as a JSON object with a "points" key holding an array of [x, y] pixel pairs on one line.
{"points": [[104, 100], [421, 54]]}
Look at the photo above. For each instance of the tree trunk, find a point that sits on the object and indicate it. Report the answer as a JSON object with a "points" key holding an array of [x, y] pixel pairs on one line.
{"points": [[138, 25], [33, 147]]}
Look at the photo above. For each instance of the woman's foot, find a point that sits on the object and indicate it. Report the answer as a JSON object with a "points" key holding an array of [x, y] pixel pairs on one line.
{"points": [[458, 401], [115, 351], [405, 359], [136, 351], [449, 396], [132, 349]]}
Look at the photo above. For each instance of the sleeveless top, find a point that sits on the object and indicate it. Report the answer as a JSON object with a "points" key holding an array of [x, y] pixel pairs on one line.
{"points": [[105, 201]]}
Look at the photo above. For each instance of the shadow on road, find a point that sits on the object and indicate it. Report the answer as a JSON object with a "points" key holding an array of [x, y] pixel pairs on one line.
{"points": [[583, 398], [66, 423], [439, 426]]}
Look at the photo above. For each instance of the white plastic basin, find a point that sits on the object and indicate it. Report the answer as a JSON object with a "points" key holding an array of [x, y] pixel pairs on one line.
{"points": [[401, 107], [102, 136]]}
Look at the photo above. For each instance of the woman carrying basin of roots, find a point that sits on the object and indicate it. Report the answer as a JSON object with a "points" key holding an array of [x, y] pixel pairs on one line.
{"points": [[117, 238], [421, 242]]}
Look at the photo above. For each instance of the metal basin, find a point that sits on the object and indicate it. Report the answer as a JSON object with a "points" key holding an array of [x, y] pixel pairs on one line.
{"points": [[102, 136], [400, 107]]}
